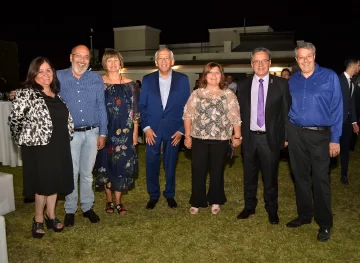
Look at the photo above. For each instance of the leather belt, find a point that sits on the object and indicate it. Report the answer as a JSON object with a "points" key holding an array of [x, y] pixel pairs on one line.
{"points": [[316, 128], [259, 132], [82, 129]]}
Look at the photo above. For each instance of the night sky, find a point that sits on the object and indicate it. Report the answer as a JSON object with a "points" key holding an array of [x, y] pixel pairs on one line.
{"points": [[52, 32]]}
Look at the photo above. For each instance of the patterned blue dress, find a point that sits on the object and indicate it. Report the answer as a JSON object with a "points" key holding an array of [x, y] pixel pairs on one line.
{"points": [[117, 163]]}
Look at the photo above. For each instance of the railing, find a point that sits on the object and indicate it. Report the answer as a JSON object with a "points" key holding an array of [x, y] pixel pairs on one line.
{"points": [[203, 47]]}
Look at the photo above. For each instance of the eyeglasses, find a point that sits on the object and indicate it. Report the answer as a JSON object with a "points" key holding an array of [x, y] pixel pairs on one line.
{"points": [[216, 73], [80, 56], [258, 62], [307, 57]]}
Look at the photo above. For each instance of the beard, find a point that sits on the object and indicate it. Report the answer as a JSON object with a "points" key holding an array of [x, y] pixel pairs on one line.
{"points": [[78, 70]]}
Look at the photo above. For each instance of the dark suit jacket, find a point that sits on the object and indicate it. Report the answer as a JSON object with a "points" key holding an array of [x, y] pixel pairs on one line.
{"points": [[277, 107], [164, 122], [357, 101], [349, 112]]}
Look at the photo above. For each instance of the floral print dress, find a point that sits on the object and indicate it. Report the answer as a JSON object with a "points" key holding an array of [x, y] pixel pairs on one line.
{"points": [[117, 164]]}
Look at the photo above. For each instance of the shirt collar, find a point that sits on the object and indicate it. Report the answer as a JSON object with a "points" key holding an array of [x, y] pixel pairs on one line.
{"points": [[170, 74], [347, 75], [266, 78]]}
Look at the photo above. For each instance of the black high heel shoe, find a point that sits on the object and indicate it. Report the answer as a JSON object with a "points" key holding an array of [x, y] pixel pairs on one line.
{"points": [[35, 227], [53, 223]]}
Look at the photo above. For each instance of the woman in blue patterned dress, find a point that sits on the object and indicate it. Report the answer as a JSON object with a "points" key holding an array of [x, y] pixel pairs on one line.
{"points": [[117, 163]]}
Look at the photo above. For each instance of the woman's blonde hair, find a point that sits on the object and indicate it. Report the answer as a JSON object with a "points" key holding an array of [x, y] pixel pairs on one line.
{"points": [[112, 53]]}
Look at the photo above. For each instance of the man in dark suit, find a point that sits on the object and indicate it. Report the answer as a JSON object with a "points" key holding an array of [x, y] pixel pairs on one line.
{"points": [[356, 94], [349, 114], [264, 105], [163, 96]]}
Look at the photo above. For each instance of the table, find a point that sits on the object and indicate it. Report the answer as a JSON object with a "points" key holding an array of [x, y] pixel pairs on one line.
{"points": [[9, 152], [3, 243]]}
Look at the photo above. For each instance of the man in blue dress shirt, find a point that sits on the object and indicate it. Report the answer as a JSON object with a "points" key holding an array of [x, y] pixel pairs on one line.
{"points": [[314, 131], [83, 93]]}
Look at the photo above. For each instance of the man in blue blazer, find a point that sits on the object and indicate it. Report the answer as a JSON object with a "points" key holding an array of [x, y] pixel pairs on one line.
{"points": [[163, 96]]}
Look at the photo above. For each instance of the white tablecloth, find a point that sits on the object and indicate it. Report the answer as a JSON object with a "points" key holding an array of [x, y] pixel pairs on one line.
{"points": [[9, 151]]}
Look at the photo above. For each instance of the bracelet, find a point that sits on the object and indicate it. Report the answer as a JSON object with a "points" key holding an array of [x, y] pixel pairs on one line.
{"points": [[187, 136], [238, 138]]}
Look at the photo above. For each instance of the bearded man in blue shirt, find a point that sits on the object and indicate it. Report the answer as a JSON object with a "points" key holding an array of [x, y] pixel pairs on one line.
{"points": [[314, 130], [83, 93]]}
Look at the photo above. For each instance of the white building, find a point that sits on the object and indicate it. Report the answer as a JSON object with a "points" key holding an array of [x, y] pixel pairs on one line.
{"points": [[231, 47]]}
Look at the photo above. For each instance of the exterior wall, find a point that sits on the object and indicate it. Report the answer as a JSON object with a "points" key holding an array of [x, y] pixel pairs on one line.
{"points": [[146, 38], [152, 41], [218, 36], [189, 48]]}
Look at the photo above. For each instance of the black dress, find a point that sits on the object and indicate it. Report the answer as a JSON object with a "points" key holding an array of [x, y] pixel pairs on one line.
{"points": [[48, 169]]}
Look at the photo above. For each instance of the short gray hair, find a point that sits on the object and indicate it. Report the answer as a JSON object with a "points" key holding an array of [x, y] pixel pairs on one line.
{"points": [[164, 48], [305, 45], [260, 49]]}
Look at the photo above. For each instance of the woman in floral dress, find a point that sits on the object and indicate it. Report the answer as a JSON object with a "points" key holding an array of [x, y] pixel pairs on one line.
{"points": [[117, 163]]}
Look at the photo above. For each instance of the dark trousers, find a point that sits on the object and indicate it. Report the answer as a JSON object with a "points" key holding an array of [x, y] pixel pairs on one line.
{"points": [[345, 140], [208, 156], [153, 158], [259, 156], [353, 140], [309, 157]]}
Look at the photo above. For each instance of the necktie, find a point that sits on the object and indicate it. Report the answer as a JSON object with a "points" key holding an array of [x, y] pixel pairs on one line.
{"points": [[351, 87], [260, 108]]}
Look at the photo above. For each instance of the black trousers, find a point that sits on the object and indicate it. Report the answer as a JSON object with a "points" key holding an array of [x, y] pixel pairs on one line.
{"points": [[208, 156], [309, 157], [345, 141], [353, 140], [259, 156]]}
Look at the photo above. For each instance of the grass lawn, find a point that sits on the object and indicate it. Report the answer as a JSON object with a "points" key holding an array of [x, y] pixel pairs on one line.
{"points": [[174, 235]]}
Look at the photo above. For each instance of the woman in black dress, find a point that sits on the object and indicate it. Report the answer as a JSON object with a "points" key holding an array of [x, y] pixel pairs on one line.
{"points": [[41, 123]]}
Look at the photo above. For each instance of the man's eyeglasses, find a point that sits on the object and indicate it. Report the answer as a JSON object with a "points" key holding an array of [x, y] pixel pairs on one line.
{"points": [[80, 56], [258, 62]]}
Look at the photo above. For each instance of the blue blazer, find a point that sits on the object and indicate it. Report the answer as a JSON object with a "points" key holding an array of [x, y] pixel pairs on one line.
{"points": [[163, 122]]}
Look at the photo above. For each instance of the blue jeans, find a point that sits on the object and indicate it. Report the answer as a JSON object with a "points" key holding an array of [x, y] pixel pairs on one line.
{"points": [[83, 151]]}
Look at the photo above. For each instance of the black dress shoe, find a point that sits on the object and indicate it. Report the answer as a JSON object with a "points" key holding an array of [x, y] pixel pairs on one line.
{"points": [[171, 202], [344, 180], [151, 204], [323, 234], [245, 214], [93, 217], [273, 218], [297, 222], [69, 220]]}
